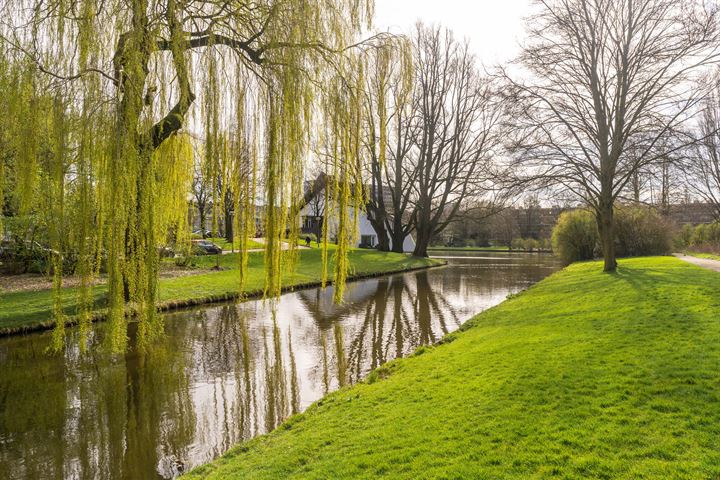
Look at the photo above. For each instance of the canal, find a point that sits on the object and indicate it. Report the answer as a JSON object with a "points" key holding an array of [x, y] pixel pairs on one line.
{"points": [[226, 373]]}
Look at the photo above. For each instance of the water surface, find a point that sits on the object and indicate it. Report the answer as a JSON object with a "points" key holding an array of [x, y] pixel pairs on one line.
{"points": [[223, 374]]}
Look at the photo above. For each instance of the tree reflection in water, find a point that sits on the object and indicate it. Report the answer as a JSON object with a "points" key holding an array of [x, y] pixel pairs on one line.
{"points": [[223, 374]]}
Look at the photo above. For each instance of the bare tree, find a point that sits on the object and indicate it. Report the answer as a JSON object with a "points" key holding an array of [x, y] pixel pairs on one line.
{"points": [[703, 170], [201, 194], [389, 140], [605, 77], [504, 227], [458, 115]]}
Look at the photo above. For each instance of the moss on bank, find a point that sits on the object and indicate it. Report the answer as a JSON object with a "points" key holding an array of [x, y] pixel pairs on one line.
{"points": [[585, 375]]}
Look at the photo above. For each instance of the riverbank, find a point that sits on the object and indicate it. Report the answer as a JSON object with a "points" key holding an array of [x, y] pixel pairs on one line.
{"points": [[32, 310], [585, 375]]}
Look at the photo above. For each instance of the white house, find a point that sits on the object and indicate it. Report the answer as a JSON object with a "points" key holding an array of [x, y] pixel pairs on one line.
{"points": [[313, 216]]}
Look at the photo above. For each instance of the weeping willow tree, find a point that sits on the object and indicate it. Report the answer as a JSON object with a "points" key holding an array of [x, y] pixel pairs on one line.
{"points": [[127, 77]]}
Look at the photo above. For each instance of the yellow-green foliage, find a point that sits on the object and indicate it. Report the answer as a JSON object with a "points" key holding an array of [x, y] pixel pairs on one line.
{"points": [[575, 236], [100, 95], [174, 160]]}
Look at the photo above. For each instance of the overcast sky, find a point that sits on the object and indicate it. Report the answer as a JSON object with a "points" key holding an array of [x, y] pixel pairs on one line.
{"points": [[493, 27]]}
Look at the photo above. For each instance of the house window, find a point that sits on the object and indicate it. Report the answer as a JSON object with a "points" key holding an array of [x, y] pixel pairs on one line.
{"points": [[367, 241], [308, 222]]}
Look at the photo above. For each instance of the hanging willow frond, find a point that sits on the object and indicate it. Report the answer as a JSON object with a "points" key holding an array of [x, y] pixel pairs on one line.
{"points": [[129, 86]]}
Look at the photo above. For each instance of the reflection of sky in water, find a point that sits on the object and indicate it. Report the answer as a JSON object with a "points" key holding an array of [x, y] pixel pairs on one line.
{"points": [[226, 373]]}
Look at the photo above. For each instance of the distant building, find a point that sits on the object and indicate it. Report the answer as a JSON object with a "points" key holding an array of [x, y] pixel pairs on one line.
{"points": [[313, 218], [694, 213]]}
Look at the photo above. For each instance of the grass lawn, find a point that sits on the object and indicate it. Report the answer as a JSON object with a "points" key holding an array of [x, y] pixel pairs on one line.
{"points": [[585, 375], [32, 308], [233, 246]]}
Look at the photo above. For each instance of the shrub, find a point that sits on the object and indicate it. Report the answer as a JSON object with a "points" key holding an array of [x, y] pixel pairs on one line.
{"points": [[638, 231], [303, 236], [707, 235], [546, 244], [517, 244], [702, 238], [575, 236], [684, 236], [642, 231], [531, 245]]}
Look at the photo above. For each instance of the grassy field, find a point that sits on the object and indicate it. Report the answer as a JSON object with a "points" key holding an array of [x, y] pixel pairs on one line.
{"points": [[585, 375], [29, 309], [230, 246]]}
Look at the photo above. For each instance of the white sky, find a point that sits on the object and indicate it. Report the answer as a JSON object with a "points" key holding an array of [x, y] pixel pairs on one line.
{"points": [[493, 27]]}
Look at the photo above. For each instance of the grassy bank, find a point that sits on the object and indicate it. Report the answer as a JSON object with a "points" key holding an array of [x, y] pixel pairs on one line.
{"points": [[32, 309], [585, 375], [233, 246]]}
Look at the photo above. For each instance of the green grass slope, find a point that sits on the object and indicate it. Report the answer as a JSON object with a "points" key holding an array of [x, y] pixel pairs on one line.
{"points": [[30, 309], [585, 375]]}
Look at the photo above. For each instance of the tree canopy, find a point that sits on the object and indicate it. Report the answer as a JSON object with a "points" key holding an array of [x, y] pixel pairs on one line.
{"points": [[105, 96]]}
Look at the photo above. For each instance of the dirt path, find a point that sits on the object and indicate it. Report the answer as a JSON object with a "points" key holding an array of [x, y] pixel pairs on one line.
{"points": [[701, 262]]}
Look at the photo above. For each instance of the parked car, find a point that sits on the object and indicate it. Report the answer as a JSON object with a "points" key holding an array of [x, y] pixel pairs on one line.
{"points": [[204, 233], [206, 247]]}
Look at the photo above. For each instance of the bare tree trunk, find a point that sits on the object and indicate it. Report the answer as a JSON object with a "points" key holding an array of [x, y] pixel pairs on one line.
{"points": [[382, 235], [421, 246], [397, 235], [606, 228], [377, 216], [424, 229]]}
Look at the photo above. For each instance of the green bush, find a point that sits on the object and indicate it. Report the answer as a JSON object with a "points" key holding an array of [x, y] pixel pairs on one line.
{"points": [[531, 245], [546, 244], [701, 238], [575, 236], [706, 236], [642, 231], [303, 236], [638, 231], [684, 237]]}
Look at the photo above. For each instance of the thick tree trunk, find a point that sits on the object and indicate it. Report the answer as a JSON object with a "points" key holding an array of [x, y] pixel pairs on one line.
{"points": [[397, 237], [422, 242], [383, 241], [606, 229], [378, 223]]}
